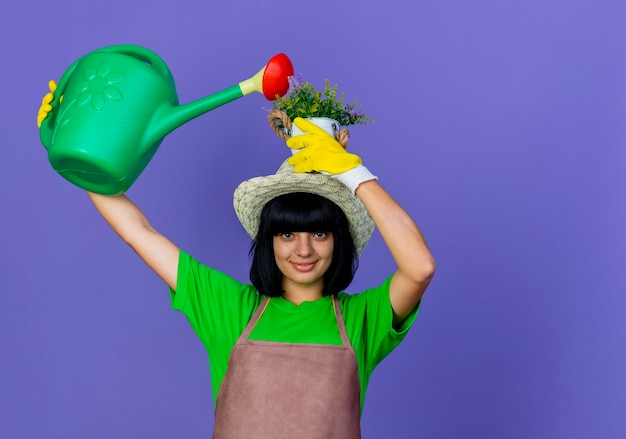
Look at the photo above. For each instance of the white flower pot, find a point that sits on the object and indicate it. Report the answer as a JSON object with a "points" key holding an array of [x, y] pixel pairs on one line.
{"points": [[331, 126]]}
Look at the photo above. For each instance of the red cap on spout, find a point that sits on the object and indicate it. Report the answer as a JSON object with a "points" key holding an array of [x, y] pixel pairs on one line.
{"points": [[276, 76]]}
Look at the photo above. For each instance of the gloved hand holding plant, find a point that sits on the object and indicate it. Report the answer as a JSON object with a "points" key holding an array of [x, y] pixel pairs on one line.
{"points": [[319, 152]]}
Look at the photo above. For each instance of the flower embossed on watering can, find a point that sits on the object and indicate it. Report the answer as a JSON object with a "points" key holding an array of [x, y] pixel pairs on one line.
{"points": [[113, 107], [99, 85]]}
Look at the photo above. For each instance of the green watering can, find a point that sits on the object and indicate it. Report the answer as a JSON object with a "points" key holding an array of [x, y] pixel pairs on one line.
{"points": [[113, 107]]}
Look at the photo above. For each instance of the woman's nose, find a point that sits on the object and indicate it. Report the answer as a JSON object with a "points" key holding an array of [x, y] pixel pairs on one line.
{"points": [[303, 244]]}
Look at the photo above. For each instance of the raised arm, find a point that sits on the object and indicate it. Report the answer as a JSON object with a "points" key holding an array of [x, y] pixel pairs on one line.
{"points": [[416, 265], [129, 222], [317, 151]]}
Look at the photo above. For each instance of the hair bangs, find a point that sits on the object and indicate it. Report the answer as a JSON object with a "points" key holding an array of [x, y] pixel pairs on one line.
{"points": [[303, 213]]}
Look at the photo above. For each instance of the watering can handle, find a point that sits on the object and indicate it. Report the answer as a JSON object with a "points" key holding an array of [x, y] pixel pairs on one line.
{"points": [[142, 54]]}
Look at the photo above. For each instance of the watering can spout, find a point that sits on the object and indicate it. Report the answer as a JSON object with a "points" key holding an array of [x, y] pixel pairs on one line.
{"points": [[170, 117], [271, 81]]}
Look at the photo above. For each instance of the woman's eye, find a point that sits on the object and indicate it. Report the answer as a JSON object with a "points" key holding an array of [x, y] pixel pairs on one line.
{"points": [[320, 234], [285, 235]]}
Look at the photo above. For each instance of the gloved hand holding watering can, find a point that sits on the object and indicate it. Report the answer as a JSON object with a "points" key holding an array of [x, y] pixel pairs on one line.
{"points": [[112, 108]]}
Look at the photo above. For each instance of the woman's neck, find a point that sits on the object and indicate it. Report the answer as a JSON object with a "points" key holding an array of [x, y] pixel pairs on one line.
{"points": [[297, 294]]}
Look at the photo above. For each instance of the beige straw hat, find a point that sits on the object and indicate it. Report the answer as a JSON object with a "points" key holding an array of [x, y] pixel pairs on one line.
{"points": [[251, 196]]}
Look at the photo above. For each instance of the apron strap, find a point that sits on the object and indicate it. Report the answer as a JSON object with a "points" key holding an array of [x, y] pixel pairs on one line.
{"points": [[263, 305], [255, 318], [340, 323]]}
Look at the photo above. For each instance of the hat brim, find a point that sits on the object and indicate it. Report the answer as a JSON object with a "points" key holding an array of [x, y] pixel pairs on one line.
{"points": [[252, 195]]}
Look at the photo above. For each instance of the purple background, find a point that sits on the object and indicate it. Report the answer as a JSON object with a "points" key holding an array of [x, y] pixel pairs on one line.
{"points": [[500, 126]]}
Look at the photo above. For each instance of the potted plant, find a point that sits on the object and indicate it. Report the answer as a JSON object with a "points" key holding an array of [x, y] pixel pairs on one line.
{"points": [[325, 108]]}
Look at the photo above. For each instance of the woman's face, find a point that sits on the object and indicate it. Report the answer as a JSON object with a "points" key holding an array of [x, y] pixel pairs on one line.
{"points": [[303, 258]]}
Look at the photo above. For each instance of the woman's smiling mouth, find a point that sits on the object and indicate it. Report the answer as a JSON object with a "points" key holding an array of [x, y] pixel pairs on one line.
{"points": [[303, 266]]}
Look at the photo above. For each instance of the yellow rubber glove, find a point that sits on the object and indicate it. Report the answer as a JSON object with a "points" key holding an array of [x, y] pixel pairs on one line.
{"points": [[318, 151], [45, 103]]}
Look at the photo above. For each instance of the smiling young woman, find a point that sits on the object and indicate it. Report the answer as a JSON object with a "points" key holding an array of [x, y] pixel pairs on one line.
{"points": [[291, 353]]}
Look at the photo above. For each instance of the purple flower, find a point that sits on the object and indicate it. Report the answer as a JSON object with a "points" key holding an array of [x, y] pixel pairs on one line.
{"points": [[295, 81]]}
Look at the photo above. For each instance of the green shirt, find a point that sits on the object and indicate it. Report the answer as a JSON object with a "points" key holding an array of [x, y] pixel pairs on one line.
{"points": [[218, 308]]}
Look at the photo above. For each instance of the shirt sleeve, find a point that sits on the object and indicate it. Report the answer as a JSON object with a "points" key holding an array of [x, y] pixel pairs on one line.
{"points": [[369, 320], [216, 305]]}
